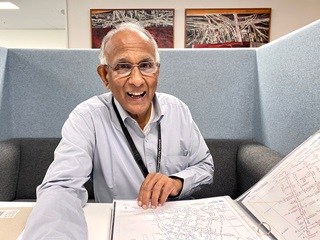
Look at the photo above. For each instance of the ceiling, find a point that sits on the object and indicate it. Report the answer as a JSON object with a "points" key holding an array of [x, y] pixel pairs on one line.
{"points": [[34, 14]]}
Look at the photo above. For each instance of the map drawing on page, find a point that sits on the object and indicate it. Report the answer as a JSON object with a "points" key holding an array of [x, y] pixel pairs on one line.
{"points": [[288, 198], [211, 218]]}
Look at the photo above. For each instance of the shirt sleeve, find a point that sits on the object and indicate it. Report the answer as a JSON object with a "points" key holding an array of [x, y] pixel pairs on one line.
{"points": [[200, 163], [58, 213]]}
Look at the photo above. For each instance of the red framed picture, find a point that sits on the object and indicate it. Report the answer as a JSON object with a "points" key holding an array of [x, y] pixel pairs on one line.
{"points": [[159, 22]]}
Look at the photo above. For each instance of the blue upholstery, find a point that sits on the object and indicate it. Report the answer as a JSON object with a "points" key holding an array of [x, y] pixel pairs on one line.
{"points": [[270, 94]]}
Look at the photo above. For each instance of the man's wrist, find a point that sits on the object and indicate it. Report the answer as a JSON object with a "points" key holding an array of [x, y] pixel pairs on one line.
{"points": [[179, 182]]}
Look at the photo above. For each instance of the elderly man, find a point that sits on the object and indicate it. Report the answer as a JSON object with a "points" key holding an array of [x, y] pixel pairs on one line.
{"points": [[132, 142]]}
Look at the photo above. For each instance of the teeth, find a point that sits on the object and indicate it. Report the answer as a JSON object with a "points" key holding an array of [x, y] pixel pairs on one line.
{"points": [[135, 93]]}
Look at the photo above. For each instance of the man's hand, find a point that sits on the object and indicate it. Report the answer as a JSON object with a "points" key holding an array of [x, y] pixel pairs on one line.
{"points": [[158, 188]]}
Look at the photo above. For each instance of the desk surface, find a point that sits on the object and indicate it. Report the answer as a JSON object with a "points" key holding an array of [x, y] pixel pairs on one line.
{"points": [[98, 217]]}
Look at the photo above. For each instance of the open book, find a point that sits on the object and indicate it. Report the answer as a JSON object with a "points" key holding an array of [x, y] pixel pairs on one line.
{"points": [[285, 204]]}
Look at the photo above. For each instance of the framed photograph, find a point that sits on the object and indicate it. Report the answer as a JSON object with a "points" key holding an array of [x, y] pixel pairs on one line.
{"points": [[227, 28], [159, 22]]}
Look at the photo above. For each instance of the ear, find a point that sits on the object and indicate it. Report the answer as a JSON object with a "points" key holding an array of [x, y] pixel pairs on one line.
{"points": [[103, 73]]}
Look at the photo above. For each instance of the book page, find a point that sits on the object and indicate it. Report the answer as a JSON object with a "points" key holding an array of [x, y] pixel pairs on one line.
{"points": [[209, 218], [288, 198]]}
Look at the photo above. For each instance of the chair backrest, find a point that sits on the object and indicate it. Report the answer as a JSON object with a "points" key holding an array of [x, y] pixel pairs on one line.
{"points": [[239, 164], [224, 153]]}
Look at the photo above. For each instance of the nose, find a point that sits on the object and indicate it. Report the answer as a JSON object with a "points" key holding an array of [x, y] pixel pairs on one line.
{"points": [[136, 77]]}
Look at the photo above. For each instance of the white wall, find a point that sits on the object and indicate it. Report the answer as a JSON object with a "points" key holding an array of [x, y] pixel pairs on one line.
{"points": [[33, 38], [286, 15]]}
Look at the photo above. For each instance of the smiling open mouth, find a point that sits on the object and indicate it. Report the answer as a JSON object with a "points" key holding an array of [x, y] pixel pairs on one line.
{"points": [[136, 94]]}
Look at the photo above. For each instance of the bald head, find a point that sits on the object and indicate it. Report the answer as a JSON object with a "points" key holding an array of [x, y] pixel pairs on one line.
{"points": [[128, 27]]}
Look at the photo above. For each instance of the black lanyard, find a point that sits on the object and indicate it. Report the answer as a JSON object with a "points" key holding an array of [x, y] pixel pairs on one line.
{"points": [[134, 150]]}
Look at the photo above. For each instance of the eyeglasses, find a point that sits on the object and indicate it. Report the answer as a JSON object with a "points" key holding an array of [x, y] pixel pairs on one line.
{"points": [[125, 69]]}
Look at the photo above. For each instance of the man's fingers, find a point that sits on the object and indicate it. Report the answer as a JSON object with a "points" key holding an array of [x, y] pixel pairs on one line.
{"points": [[146, 190], [156, 188], [155, 196], [172, 187]]}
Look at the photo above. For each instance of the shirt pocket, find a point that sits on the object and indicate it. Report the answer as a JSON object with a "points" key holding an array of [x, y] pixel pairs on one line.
{"points": [[174, 164]]}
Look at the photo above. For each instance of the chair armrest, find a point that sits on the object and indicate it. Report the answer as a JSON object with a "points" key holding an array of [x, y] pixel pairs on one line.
{"points": [[254, 160], [9, 168]]}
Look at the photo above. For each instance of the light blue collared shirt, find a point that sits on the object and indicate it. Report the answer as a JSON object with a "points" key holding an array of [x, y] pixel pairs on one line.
{"points": [[94, 146]]}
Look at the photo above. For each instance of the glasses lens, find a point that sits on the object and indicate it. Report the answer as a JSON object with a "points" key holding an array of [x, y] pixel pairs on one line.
{"points": [[123, 68], [147, 67]]}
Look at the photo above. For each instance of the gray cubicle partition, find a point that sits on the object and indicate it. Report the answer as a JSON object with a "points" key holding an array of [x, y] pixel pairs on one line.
{"points": [[219, 86], [289, 88], [5, 119], [45, 85], [270, 94]]}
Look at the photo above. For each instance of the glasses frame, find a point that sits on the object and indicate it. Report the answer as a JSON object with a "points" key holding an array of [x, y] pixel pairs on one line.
{"points": [[132, 66]]}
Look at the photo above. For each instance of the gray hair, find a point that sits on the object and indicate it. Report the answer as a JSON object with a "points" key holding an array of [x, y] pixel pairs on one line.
{"points": [[127, 26]]}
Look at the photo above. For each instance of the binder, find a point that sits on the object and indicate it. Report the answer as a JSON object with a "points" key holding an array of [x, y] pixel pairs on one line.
{"points": [[284, 205]]}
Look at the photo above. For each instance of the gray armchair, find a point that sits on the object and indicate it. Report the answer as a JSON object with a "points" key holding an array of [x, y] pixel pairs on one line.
{"points": [[239, 164]]}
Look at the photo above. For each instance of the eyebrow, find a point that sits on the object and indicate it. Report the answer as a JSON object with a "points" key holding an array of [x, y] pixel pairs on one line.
{"points": [[123, 60]]}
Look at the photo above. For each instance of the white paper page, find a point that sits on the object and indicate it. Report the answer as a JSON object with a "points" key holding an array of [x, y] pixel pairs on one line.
{"points": [[210, 218], [288, 198]]}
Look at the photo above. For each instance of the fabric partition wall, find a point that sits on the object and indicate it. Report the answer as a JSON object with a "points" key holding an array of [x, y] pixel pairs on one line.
{"points": [[5, 111], [289, 88]]}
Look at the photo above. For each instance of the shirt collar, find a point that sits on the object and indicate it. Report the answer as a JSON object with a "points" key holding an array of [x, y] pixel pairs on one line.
{"points": [[158, 115], [156, 112]]}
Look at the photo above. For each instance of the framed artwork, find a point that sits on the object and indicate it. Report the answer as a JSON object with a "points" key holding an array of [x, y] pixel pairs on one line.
{"points": [[216, 28], [159, 22]]}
